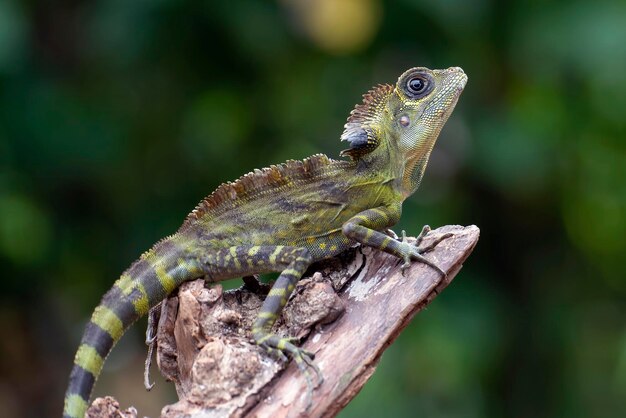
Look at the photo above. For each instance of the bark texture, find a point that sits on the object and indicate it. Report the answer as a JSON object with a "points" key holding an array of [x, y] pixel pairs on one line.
{"points": [[347, 311]]}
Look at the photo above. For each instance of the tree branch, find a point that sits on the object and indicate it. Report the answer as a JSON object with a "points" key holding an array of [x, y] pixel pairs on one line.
{"points": [[348, 310]]}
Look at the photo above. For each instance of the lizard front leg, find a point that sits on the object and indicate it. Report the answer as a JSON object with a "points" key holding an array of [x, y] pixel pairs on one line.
{"points": [[365, 228]]}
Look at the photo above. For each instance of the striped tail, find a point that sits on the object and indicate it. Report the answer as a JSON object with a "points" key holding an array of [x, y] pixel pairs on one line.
{"points": [[141, 287]]}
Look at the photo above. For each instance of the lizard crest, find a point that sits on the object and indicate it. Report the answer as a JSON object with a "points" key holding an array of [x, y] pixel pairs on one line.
{"points": [[230, 194], [362, 130]]}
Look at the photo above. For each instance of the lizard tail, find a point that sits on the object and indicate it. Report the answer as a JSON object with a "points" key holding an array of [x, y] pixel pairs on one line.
{"points": [[142, 286]]}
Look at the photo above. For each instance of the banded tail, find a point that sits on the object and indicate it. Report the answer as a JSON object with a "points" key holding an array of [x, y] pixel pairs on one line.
{"points": [[146, 283]]}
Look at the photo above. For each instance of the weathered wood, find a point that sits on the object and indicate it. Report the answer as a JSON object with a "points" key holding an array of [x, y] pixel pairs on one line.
{"points": [[348, 310]]}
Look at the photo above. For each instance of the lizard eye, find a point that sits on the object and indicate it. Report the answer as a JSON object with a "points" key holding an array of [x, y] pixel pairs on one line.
{"points": [[418, 85]]}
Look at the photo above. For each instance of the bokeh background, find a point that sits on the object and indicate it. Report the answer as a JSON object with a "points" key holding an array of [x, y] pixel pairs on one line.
{"points": [[117, 117]]}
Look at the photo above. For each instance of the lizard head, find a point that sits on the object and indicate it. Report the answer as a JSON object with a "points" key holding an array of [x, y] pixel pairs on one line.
{"points": [[400, 124]]}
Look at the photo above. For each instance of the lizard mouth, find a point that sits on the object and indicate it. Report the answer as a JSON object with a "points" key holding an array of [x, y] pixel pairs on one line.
{"points": [[453, 81], [458, 79]]}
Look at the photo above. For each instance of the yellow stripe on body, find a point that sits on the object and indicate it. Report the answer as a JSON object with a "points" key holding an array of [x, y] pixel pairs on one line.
{"points": [[189, 266], [127, 285], [266, 315], [167, 281], [108, 321], [250, 262], [75, 406], [142, 305], [233, 253], [273, 256], [88, 358]]}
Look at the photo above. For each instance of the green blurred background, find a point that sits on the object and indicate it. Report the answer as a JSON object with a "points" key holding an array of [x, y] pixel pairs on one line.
{"points": [[117, 117]]}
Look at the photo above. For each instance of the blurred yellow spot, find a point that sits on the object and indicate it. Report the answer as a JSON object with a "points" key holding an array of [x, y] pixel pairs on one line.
{"points": [[338, 26]]}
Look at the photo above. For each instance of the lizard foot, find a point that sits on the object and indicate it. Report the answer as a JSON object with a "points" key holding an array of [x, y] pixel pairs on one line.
{"points": [[415, 253], [279, 347], [418, 240]]}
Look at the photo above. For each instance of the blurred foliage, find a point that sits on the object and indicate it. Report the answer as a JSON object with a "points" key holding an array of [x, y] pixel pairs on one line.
{"points": [[117, 117]]}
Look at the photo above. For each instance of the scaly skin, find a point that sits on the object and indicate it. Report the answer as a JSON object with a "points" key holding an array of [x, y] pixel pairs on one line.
{"points": [[283, 218]]}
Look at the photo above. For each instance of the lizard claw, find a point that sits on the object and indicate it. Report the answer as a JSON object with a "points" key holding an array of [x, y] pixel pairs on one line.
{"points": [[435, 242], [415, 253], [425, 230], [419, 257], [304, 361], [280, 347]]}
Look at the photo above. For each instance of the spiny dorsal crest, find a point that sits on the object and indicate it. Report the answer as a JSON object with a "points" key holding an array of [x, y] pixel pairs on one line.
{"points": [[231, 193], [362, 130]]}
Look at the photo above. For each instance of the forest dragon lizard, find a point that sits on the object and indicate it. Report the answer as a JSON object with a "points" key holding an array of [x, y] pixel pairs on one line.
{"points": [[285, 217]]}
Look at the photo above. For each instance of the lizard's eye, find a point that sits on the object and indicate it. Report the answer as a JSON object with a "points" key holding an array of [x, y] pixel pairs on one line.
{"points": [[418, 85]]}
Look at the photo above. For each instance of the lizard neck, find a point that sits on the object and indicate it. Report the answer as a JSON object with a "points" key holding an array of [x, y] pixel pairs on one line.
{"points": [[411, 158], [403, 168], [392, 165]]}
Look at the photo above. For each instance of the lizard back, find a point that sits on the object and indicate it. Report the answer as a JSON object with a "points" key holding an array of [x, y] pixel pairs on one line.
{"points": [[297, 203]]}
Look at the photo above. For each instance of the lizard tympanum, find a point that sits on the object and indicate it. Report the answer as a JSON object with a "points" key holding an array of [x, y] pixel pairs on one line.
{"points": [[285, 217]]}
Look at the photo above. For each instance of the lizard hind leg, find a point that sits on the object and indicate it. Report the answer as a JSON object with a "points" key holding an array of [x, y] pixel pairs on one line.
{"points": [[151, 336], [298, 260]]}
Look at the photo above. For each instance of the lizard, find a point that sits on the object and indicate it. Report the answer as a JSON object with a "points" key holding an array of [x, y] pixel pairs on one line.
{"points": [[284, 218]]}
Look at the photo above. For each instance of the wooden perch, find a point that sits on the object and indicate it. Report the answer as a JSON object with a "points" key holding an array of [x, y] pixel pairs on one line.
{"points": [[347, 311]]}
